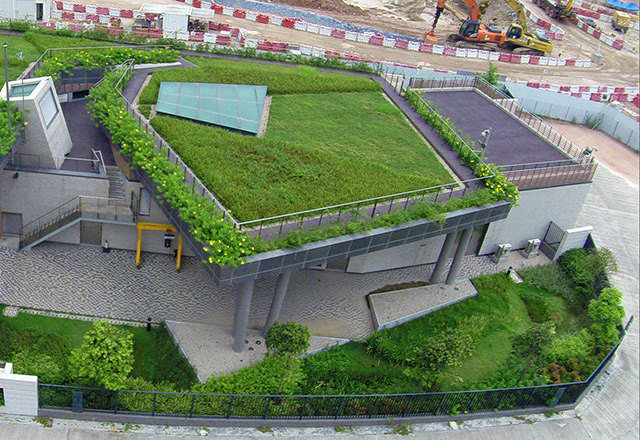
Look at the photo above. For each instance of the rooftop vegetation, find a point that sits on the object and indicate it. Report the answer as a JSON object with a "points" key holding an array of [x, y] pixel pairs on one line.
{"points": [[319, 150]]}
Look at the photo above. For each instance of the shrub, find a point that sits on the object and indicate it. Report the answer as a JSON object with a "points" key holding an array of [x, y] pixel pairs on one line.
{"points": [[551, 278], [588, 270], [106, 356], [536, 307], [43, 365], [576, 346], [607, 313]]}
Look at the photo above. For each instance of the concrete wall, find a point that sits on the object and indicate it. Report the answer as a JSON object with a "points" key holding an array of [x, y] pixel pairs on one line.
{"points": [[33, 194], [530, 219], [412, 254], [20, 393]]}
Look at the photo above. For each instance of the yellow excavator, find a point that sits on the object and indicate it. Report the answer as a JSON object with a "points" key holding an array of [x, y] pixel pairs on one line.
{"points": [[520, 40]]}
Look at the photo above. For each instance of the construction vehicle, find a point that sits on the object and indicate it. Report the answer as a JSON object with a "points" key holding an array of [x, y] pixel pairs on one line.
{"points": [[621, 21], [473, 31], [520, 40], [559, 10]]}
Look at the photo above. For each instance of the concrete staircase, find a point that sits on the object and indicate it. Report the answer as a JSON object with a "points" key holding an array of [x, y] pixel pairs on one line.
{"points": [[116, 184]]}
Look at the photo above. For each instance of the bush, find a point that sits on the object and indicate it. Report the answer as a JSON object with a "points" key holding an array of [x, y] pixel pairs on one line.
{"points": [[48, 369], [106, 356], [536, 307], [576, 346], [588, 270], [551, 278], [607, 314]]}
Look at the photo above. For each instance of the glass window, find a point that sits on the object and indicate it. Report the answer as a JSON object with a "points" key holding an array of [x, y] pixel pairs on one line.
{"points": [[48, 107], [145, 202]]}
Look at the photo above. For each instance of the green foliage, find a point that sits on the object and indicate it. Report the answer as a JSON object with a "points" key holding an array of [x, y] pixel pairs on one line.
{"points": [[289, 339], [35, 363], [576, 346], [280, 80], [43, 42], [8, 138], [492, 75], [63, 61], [607, 313], [533, 341], [262, 378], [551, 278], [588, 270], [536, 307], [106, 356]]}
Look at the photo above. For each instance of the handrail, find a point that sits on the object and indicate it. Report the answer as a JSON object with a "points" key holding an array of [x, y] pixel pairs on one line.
{"points": [[100, 159]]}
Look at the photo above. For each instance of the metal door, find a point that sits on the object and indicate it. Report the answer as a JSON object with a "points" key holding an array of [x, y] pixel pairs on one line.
{"points": [[91, 233]]}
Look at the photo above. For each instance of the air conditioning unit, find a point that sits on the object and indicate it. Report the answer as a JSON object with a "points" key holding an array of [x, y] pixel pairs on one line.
{"points": [[501, 253], [532, 249]]}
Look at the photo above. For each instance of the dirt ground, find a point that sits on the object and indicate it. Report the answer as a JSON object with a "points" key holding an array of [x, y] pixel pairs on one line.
{"points": [[611, 153]]}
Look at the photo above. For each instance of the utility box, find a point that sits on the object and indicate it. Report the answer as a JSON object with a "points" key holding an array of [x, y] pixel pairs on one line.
{"points": [[501, 253], [532, 249]]}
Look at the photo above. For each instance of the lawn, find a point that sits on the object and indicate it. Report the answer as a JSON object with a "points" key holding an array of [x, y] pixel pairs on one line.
{"points": [[156, 357], [311, 156]]}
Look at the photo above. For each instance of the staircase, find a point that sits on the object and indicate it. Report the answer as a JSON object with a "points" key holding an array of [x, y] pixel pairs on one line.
{"points": [[81, 208], [116, 184]]}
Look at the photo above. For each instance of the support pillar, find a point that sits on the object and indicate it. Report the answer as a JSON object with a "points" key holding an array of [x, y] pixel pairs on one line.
{"points": [[438, 271], [278, 299], [244, 292], [459, 256]]}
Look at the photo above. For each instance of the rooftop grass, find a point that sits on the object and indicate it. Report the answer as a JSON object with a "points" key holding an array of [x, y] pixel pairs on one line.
{"points": [[332, 138]]}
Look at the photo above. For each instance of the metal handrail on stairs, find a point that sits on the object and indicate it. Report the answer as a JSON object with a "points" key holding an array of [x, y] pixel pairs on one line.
{"points": [[102, 209]]}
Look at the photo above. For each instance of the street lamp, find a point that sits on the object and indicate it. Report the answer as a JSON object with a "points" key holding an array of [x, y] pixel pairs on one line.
{"points": [[484, 140]]}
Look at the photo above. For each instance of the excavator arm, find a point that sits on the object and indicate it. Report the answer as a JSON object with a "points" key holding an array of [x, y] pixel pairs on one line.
{"points": [[474, 11], [519, 10]]}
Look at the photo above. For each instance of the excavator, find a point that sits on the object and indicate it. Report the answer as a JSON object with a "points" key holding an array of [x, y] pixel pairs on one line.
{"points": [[517, 38], [520, 40]]}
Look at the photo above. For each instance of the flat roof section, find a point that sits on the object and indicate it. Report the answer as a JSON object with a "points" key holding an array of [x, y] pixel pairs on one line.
{"points": [[510, 143], [238, 107]]}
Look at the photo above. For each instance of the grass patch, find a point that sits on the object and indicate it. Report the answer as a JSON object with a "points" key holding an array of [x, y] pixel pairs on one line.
{"points": [[361, 126], [263, 177], [156, 358], [279, 79]]}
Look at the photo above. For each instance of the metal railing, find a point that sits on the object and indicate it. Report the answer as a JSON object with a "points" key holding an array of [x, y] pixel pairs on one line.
{"points": [[540, 177], [46, 162], [87, 207], [98, 161], [235, 406]]}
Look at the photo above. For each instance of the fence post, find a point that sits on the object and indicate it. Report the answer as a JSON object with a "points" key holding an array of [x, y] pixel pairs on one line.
{"points": [[230, 407], [339, 413], [193, 403], [373, 407], [155, 396], [406, 407], [558, 396], [115, 411], [266, 411], [304, 407]]}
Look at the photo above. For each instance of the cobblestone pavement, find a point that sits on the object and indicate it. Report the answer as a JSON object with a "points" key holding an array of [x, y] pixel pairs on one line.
{"points": [[84, 280]]}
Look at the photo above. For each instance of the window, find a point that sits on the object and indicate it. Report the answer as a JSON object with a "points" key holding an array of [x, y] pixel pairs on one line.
{"points": [[145, 202], [48, 107], [39, 11]]}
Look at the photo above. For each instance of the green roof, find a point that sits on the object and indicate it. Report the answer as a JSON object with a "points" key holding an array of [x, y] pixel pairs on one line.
{"points": [[234, 106]]}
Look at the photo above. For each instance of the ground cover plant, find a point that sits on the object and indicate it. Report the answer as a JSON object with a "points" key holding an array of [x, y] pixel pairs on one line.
{"points": [[43, 346]]}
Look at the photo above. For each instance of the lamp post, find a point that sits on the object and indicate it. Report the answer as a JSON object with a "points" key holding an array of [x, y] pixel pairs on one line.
{"points": [[6, 76], [484, 140]]}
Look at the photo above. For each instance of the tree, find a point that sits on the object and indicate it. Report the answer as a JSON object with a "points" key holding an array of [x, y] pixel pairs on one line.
{"points": [[530, 345], [607, 313], [491, 76], [106, 355], [290, 340]]}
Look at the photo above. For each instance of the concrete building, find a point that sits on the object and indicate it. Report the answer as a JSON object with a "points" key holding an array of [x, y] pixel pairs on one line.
{"points": [[94, 197], [29, 10]]}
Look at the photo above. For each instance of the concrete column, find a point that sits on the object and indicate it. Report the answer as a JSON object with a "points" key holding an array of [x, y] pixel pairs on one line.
{"points": [[244, 292], [278, 299], [438, 271], [459, 256]]}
